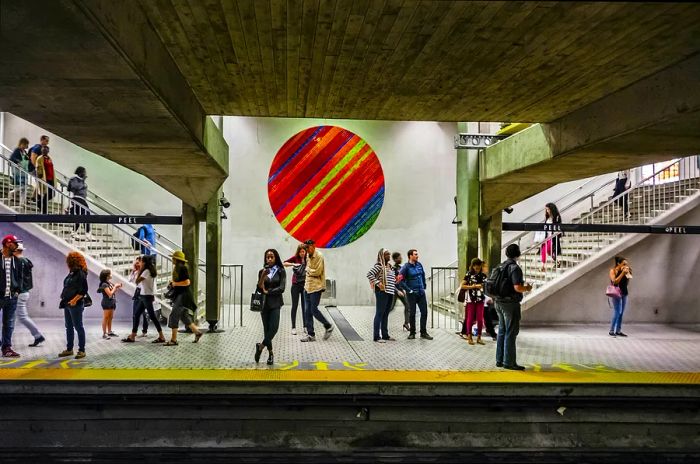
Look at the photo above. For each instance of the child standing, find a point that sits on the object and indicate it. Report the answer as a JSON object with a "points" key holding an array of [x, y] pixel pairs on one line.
{"points": [[109, 302]]}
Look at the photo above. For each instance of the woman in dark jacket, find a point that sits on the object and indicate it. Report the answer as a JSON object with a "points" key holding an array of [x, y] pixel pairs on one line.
{"points": [[75, 288], [79, 206], [271, 281]]}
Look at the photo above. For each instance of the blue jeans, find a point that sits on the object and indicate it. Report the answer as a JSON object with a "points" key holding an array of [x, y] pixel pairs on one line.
{"points": [[73, 316], [381, 314], [508, 329], [312, 301], [8, 306], [418, 299], [618, 305]]}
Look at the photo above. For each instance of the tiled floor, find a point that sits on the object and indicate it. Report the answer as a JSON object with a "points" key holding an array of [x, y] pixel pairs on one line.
{"points": [[649, 348]]}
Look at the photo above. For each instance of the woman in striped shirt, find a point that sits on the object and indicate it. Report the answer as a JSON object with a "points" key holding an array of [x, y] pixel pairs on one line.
{"points": [[383, 280]]}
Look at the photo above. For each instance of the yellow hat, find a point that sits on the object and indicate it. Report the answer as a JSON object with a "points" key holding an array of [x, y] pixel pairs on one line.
{"points": [[179, 256]]}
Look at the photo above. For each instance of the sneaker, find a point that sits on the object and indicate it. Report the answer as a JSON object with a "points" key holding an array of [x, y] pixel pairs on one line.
{"points": [[426, 336], [381, 340], [38, 340], [327, 334], [80, 355], [620, 334], [612, 334], [294, 331], [112, 334], [411, 337], [308, 338], [9, 353], [499, 364], [65, 353], [105, 337], [514, 367]]}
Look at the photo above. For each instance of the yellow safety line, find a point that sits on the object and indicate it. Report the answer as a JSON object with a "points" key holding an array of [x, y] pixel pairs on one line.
{"points": [[273, 375]]}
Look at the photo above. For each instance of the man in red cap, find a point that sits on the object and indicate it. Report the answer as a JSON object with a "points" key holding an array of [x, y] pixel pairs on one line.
{"points": [[10, 287]]}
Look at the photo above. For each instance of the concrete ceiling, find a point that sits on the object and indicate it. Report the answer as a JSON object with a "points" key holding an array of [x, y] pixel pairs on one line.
{"points": [[61, 71], [418, 60]]}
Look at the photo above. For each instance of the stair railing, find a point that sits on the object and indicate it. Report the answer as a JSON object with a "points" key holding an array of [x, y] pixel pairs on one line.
{"points": [[113, 244], [640, 204]]}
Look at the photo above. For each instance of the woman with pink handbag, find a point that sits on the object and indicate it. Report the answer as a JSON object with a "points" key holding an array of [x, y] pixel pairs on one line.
{"points": [[620, 276]]}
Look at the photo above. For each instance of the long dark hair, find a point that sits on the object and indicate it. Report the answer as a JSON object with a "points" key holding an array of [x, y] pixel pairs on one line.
{"points": [[556, 217], [178, 265], [149, 265], [278, 260]]}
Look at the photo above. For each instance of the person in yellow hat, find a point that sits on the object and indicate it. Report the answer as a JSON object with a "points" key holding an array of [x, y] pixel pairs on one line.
{"points": [[183, 304]]}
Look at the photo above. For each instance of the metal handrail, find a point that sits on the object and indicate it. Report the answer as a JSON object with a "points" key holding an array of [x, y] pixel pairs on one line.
{"points": [[59, 193], [565, 208], [604, 205], [106, 206]]}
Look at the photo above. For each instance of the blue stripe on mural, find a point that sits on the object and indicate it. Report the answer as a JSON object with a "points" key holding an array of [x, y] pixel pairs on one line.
{"points": [[359, 221], [312, 174], [289, 160]]}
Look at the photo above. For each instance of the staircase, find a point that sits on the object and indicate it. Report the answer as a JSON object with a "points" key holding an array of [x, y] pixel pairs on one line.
{"points": [[652, 200], [110, 245]]}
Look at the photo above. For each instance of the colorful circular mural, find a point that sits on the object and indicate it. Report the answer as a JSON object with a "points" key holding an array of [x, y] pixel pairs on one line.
{"points": [[326, 184]]}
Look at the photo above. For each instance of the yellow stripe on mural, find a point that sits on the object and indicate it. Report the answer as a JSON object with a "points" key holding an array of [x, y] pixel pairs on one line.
{"points": [[352, 376], [322, 184], [337, 185]]}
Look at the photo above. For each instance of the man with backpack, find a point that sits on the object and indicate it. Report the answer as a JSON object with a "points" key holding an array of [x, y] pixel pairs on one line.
{"points": [[147, 234], [506, 286]]}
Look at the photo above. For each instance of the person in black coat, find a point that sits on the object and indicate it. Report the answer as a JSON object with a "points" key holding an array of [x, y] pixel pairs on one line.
{"points": [[271, 281]]}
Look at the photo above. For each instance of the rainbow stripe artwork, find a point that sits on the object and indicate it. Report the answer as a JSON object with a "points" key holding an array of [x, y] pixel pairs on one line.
{"points": [[326, 184]]}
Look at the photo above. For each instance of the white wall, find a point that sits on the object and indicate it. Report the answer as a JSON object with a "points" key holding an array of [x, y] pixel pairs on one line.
{"points": [[418, 159]]}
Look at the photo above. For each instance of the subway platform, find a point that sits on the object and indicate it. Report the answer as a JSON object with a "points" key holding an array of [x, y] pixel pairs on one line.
{"points": [[585, 397], [560, 353]]}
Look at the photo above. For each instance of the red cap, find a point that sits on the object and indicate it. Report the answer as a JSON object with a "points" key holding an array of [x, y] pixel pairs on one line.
{"points": [[8, 239]]}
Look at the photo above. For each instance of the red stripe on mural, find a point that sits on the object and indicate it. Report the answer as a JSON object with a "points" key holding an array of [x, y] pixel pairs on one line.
{"points": [[326, 219], [344, 206], [331, 184], [313, 182], [293, 145], [304, 171]]}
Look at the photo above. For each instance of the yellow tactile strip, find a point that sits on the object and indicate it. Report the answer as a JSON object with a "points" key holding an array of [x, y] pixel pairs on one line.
{"points": [[264, 375]]}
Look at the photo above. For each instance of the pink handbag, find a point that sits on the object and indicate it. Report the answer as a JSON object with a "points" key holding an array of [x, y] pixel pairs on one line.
{"points": [[613, 291]]}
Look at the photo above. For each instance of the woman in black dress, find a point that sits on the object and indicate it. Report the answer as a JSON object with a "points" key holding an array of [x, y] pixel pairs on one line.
{"points": [[272, 279]]}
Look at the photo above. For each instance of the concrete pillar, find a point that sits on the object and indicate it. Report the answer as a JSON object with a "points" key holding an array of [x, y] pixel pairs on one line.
{"points": [[468, 200], [190, 243], [213, 269], [491, 239]]}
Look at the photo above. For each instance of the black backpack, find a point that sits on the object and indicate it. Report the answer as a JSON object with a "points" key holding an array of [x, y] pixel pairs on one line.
{"points": [[499, 284], [27, 279]]}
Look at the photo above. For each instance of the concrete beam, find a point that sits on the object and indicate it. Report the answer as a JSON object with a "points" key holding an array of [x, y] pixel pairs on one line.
{"points": [[652, 120], [112, 89]]}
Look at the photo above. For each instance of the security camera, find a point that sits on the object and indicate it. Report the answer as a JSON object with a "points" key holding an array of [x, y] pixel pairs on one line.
{"points": [[224, 202], [508, 210]]}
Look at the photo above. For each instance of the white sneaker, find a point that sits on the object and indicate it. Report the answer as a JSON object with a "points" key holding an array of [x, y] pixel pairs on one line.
{"points": [[328, 333], [381, 340], [294, 331], [308, 338]]}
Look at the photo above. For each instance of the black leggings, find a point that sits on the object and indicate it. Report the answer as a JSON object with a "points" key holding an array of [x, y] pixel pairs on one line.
{"points": [[145, 303], [271, 323], [79, 207], [297, 294]]}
